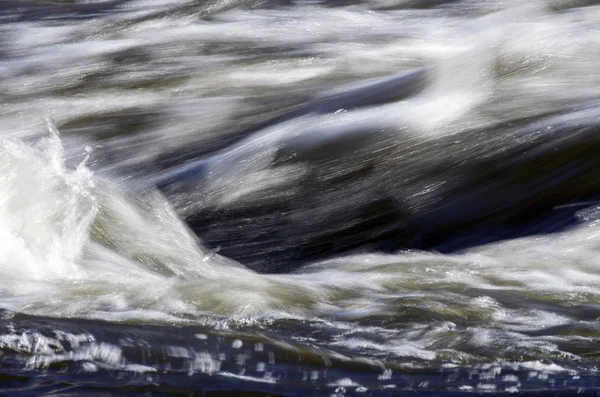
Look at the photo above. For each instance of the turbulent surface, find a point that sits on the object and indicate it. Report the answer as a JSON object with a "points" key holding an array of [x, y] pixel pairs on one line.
{"points": [[104, 289]]}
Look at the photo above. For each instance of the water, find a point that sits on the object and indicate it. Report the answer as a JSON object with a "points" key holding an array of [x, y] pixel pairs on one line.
{"points": [[437, 238]]}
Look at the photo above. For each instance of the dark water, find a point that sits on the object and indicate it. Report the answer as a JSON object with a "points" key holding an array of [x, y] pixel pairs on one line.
{"points": [[72, 357], [299, 198]]}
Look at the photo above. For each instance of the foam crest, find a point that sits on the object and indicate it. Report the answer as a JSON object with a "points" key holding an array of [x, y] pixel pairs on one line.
{"points": [[45, 210]]}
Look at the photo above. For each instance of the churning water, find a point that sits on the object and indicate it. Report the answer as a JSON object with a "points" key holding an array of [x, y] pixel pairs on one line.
{"points": [[368, 197]]}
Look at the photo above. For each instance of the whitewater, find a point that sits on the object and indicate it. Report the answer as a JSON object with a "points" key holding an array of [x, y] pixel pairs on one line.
{"points": [[113, 285]]}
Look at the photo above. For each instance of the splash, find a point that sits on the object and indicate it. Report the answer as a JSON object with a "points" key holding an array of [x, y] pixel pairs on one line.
{"points": [[45, 210]]}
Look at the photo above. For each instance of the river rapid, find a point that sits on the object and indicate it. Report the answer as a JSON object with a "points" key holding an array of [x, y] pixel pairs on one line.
{"points": [[110, 286]]}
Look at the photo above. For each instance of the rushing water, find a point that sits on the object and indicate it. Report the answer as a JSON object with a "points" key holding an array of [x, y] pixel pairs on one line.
{"points": [[218, 285]]}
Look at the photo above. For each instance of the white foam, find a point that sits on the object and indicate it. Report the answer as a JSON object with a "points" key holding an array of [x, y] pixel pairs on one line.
{"points": [[77, 244], [247, 378]]}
